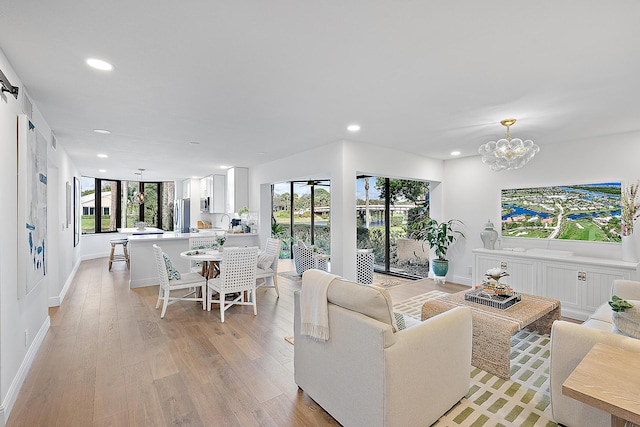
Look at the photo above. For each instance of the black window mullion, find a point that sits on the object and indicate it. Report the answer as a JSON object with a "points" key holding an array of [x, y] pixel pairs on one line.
{"points": [[387, 227], [118, 212], [141, 206], [159, 222], [98, 211], [291, 217]]}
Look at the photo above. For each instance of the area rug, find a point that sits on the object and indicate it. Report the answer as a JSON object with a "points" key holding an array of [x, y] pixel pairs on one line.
{"points": [[413, 306], [522, 401], [388, 281]]}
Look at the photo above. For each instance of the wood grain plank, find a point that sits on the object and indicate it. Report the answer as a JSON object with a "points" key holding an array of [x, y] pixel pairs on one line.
{"points": [[108, 359], [176, 403]]}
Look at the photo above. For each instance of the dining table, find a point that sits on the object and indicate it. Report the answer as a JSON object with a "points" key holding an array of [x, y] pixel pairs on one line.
{"points": [[210, 259]]}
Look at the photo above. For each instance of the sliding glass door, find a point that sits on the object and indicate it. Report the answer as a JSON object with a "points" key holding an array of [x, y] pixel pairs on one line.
{"points": [[383, 209]]}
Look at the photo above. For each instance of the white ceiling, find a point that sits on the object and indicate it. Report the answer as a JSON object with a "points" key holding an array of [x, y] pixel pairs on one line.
{"points": [[282, 76]]}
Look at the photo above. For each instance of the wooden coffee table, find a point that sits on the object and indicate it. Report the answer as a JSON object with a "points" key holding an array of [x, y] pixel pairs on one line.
{"points": [[493, 327]]}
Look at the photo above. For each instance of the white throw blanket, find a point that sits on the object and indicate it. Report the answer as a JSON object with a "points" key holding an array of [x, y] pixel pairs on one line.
{"points": [[314, 310]]}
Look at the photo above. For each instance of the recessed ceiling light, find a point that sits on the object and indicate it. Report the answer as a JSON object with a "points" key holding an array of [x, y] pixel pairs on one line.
{"points": [[455, 153], [195, 177], [353, 128], [261, 153], [224, 167], [102, 170], [102, 131], [99, 64], [104, 156]]}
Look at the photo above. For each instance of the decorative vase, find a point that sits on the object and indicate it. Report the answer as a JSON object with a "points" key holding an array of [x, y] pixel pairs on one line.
{"points": [[489, 236], [629, 252], [440, 267]]}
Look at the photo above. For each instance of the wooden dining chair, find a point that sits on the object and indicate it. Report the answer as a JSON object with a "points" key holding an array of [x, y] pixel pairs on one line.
{"points": [[267, 275], [237, 275], [192, 282]]}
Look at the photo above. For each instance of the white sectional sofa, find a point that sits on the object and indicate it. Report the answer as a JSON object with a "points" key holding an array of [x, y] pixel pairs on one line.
{"points": [[371, 374], [570, 342]]}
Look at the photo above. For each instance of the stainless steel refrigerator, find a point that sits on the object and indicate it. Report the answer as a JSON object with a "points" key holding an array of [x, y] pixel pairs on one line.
{"points": [[181, 216]]}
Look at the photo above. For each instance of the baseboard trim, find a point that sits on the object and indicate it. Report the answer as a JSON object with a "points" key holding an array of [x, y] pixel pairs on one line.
{"points": [[18, 380], [57, 300]]}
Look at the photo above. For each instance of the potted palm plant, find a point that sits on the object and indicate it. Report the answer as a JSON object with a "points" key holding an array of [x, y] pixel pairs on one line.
{"points": [[439, 236]]}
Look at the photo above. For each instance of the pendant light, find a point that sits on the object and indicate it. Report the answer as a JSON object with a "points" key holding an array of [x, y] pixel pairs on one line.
{"points": [[138, 196]]}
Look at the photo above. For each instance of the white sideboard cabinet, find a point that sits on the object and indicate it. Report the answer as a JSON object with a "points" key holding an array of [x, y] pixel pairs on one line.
{"points": [[581, 284]]}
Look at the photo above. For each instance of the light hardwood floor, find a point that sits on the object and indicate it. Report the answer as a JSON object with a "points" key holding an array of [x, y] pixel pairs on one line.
{"points": [[108, 359]]}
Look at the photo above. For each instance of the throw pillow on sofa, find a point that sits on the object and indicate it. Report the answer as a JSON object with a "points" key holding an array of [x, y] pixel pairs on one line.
{"points": [[628, 322]]}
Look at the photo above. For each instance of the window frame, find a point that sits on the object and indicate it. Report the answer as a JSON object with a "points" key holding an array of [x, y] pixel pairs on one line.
{"points": [[98, 208]]}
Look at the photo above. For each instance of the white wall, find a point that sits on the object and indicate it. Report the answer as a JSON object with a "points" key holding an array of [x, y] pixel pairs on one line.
{"points": [[341, 162], [29, 313], [472, 191]]}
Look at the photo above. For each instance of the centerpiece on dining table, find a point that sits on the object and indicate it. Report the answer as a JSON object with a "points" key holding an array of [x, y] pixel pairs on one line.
{"points": [[493, 293]]}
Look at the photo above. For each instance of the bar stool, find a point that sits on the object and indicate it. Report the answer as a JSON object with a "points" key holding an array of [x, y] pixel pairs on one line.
{"points": [[114, 257]]}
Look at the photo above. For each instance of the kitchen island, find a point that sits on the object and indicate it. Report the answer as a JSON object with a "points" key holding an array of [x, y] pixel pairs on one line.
{"points": [[143, 265]]}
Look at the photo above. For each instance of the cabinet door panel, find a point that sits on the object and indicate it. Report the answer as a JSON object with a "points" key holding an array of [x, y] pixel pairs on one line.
{"points": [[561, 282], [217, 202], [482, 264], [522, 274], [597, 289]]}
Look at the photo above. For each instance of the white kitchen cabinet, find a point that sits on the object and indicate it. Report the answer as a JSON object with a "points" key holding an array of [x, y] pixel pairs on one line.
{"points": [[212, 190], [186, 188], [581, 284], [206, 186], [217, 199], [237, 195]]}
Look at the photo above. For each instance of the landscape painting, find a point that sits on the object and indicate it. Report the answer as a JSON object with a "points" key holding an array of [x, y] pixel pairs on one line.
{"points": [[32, 206], [573, 212]]}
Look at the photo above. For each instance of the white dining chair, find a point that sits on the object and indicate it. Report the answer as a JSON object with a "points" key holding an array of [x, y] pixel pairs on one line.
{"points": [[201, 243], [267, 276], [189, 281], [237, 275]]}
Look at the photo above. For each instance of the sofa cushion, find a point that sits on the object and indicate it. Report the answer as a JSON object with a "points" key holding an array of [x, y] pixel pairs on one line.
{"points": [[370, 300], [598, 324], [603, 314]]}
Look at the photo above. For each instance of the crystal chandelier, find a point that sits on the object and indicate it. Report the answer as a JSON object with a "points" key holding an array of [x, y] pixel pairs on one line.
{"points": [[138, 196], [508, 153]]}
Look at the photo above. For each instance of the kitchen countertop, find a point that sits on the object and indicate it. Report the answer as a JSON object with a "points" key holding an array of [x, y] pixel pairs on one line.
{"points": [[170, 235]]}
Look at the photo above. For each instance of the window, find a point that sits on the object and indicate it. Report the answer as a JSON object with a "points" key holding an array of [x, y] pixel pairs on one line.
{"points": [[117, 208], [107, 201], [305, 216]]}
